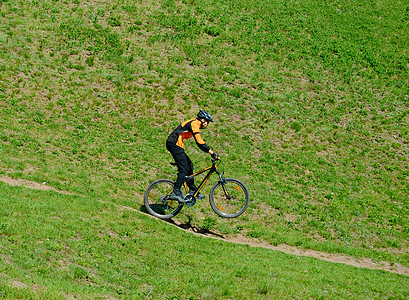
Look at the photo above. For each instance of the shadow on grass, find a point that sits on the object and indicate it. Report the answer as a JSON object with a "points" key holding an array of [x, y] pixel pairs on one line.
{"points": [[188, 226]]}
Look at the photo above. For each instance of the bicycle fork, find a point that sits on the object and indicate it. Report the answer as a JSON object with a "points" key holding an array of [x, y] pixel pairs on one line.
{"points": [[223, 182]]}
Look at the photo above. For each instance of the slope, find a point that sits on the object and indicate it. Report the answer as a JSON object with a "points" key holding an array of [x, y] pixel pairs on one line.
{"points": [[310, 101], [57, 246]]}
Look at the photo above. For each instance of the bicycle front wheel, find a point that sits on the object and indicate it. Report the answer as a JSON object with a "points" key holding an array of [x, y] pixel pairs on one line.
{"points": [[229, 199], [157, 200]]}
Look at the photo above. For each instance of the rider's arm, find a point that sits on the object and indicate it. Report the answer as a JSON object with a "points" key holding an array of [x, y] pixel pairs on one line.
{"points": [[200, 142], [214, 154], [198, 138]]}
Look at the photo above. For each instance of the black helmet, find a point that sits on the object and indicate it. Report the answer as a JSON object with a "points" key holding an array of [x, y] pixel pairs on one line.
{"points": [[204, 115]]}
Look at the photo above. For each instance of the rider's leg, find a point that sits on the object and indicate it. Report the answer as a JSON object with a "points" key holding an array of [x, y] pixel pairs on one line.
{"points": [[185, 168], [179, 156], [190, 182]]}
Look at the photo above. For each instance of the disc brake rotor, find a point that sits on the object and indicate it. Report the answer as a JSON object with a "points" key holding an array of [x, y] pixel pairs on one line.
{"points": [[164, 199]]}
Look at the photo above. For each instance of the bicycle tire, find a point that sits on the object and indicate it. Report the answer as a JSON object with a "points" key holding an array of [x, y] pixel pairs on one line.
{"points": [[229, 208], [158, 203]]}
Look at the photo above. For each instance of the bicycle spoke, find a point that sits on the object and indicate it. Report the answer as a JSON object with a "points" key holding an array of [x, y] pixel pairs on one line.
{"points": [[157, 201], [229, 199]]}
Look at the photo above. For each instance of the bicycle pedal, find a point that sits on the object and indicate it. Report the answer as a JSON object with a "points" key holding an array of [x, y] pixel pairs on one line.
{"points": [[173, 196], [200, 196], [191, 202]]}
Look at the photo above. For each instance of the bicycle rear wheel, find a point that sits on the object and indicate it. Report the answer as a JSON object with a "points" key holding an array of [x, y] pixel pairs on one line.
{"points": [[229, 199], [157, 200]]}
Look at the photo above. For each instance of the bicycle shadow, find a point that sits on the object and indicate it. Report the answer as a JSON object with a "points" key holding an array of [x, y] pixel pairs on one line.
{"points": [[187, 226]]}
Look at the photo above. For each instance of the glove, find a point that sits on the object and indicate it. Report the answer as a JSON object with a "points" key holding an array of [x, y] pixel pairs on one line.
{"points": [[215, 156]]}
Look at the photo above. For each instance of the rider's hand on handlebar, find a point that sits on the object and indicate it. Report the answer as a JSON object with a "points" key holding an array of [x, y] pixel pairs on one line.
{"points": [[215, 156]]}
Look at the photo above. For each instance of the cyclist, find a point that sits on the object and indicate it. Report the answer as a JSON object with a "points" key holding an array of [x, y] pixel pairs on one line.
{"points": [[175, 145]]}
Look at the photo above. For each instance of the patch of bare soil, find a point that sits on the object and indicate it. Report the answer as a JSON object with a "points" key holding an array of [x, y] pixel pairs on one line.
{"points": [[31, 184], [242, 239], [18, 284]]}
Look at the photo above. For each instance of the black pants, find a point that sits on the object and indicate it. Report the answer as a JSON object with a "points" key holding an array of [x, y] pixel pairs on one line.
{"points": [[184, 164]]}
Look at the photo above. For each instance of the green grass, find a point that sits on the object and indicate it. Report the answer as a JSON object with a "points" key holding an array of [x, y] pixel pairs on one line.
{"points": [[310, 101], [58, 246]]}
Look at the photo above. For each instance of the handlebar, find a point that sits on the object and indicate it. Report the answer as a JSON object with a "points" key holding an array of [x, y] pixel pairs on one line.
{"points": [[216, 160]]}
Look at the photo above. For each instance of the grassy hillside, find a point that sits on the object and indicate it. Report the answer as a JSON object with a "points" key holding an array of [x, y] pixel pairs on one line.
{"points": [[57, 246], [310, 101]]}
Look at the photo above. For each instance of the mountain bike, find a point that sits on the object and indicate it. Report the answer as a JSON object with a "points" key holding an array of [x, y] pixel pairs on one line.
{"points": [[229, 197]]}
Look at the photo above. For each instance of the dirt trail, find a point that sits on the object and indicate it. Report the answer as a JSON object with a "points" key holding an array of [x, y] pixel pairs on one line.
{"points": [[31, 184], [330, 257], [241, 239]]}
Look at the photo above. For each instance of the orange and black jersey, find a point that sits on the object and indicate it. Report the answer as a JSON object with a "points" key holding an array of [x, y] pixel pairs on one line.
{"points": [[186, 130]]}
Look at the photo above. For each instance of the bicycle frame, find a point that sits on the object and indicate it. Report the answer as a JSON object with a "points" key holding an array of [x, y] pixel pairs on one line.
{"points": [[212, 169], [159, 203]]}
